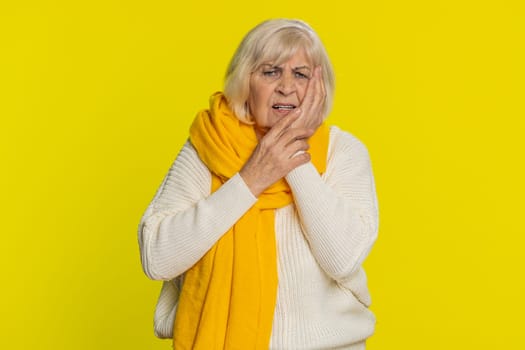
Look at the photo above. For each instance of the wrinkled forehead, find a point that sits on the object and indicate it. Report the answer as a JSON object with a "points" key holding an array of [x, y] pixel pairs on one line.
{"points": [[280, 50]]}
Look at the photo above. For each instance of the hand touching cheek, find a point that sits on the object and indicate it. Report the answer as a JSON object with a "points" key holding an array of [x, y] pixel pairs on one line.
{"points": [[310, 111]]}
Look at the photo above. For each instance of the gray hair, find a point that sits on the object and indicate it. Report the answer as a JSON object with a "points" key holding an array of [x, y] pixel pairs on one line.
{"points": [[275, 41]]}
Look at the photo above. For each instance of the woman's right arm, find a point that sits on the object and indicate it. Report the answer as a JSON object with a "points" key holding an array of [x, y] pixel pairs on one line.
{"points": [[184, 221]]}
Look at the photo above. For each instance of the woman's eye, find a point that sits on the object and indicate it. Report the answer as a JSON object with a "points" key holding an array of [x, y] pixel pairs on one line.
{"points": [[270, 73], [301, 75]]}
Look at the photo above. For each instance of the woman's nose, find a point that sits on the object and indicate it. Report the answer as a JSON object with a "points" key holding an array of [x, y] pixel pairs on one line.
{"points": [[286, 84]]}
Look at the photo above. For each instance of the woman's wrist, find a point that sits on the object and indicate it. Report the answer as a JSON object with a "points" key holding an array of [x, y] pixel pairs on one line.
{"points": [[251, 182]]}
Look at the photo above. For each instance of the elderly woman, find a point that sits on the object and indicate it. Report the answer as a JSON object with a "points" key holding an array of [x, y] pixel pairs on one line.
{"points": [[263, 221]]}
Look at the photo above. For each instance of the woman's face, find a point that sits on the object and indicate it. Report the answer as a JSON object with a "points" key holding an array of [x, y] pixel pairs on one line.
{"points": [[275, 91]]}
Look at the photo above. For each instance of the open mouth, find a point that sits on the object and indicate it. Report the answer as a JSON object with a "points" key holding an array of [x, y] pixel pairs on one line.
{"points": [[287, 107]]}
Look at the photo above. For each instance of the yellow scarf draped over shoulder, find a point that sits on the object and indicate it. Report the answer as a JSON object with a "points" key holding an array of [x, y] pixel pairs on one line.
{"points": [[228, 297]]}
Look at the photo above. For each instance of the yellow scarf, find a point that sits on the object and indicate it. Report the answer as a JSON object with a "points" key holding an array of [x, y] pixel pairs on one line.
{"points": [[228, 297]]}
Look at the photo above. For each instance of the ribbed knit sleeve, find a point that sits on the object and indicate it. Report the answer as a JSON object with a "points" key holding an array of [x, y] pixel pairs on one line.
{"points": [[338, 211], [184, 221]]}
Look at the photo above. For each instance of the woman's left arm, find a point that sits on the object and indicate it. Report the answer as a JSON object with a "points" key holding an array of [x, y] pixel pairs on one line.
{"points": [[338, 211]]}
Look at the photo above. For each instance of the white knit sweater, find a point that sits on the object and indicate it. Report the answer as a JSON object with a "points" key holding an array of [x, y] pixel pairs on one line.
{"points": [[322, 239]]}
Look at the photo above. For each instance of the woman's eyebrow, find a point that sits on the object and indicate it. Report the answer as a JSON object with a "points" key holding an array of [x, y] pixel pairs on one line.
{"points": [[275, 66], [302, 67]]}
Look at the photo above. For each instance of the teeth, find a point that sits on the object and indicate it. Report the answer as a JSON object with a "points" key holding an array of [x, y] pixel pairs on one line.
{"points": [[284, 107]]}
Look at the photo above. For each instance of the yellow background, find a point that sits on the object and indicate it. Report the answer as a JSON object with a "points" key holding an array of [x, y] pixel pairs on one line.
{"points": [[97, 96]]}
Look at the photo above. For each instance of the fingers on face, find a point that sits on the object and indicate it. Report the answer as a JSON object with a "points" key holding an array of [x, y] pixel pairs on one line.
{"points": [[321, 92], [315, 93], [284, 123]]}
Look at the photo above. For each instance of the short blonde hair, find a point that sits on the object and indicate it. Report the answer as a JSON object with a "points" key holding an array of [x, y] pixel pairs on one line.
{"points": [[275, 41]]}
